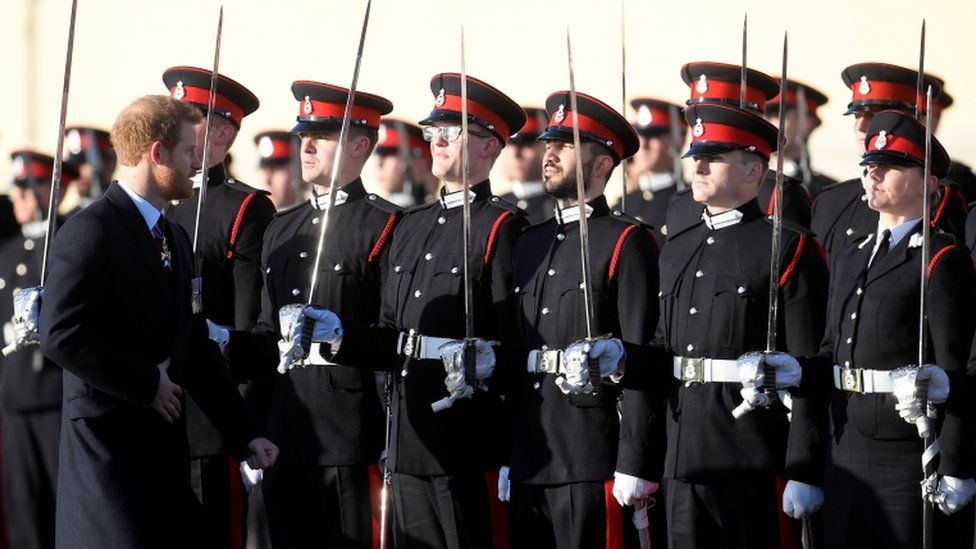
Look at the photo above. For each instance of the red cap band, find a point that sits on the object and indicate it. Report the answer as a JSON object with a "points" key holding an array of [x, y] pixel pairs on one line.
{"points": [[894, 143], [733, 136], [453, 103], [591, 126], [201, 97], [882, 91], [310, 108], [791, 99], [718, 89]]}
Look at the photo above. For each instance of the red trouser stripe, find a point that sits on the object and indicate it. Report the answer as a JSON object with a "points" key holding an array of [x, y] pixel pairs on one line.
{"points": [[787, 532], [615, 518], [236, 511], [498, 511]]}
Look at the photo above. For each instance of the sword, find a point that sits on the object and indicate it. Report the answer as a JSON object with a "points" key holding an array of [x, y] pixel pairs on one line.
{"points": [[196, 295], [623, 102], [921, 106], [931, 443], [469, 355], [743, 73], [803, 121], [403, 150], [387, 475], [677, 142], [584, 232], [27, 301], [93, 157]]}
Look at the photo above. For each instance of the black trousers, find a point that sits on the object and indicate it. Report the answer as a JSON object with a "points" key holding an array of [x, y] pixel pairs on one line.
{"points": [[580, 515], [733, 514], [30, 470], [441, 512], [318, 506], [222, 516]]}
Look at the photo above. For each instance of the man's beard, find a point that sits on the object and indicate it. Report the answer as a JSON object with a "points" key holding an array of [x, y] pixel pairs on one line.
{"points": [[565, 189], [172, 185]]}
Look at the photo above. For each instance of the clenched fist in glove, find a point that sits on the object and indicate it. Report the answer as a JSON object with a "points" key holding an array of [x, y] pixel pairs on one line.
{"points": [[751, 369], [27, 308], [915, 388], [954, 493], [327, 328], [456, 382], [575, 378], [800, 499], [628, 490]]}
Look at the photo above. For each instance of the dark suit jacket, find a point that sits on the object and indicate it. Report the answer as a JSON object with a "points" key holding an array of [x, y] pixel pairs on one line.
{"points": [[111, 313]]}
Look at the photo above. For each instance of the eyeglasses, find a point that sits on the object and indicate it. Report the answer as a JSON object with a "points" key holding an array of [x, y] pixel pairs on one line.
{"points": [[449, 133]]}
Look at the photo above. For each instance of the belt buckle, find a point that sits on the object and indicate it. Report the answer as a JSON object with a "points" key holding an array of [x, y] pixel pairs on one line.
{"points": [[852, 379], [549, 361], [411, 345], [693, 370]]}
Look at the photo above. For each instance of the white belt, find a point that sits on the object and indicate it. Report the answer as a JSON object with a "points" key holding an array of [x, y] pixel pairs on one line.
{"points": [[414, 345], [859, 380], [545, 361], [316, 357], [705, 370]]}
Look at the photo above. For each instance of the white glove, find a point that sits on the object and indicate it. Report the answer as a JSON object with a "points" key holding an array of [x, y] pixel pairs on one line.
{"points": [[955, 493], [750, 369], [905, 386], [452, 355], [27, 309], [575, 378], [218, 334], [628, 490], [251, 477], [800, 500], [938, 390], [291, 320], [504, 486]]}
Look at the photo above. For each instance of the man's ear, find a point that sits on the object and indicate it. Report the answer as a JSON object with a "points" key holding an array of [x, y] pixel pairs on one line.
{"points": [[602, 166], [360, 147], [223, 134], [491, 147], [155, 152]]}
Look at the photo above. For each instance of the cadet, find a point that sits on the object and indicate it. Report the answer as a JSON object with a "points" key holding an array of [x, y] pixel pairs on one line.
{"points": [[521, 162], [796, 160], [279, 168], [91, 151], [327, 416], [873, 456], [402, 163], [439, 459], [719, 472], [569, 449]]}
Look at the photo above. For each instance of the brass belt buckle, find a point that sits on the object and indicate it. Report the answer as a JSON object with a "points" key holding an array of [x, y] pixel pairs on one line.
{"points": [[852, 379], [693, 370], [549, 361], [411, 345]]}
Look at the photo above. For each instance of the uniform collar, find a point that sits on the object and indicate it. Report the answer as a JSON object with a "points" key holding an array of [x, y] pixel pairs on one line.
{"points": [[215, 176], [897, 233], [655, 181], [598, 206], [34, 229], [348, 193], [746, 212], [455, 199]]}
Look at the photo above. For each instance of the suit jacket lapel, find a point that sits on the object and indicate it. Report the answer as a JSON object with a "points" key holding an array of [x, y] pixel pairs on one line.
{"points": [[895, 258], [141, 237]]}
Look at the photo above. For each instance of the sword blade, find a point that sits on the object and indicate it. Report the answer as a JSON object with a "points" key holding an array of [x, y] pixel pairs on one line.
{"points": [[337, 161], [466, 204], [921, 108], [580, 195], [623, 101], [202, 195], [803, 119], [774, 262], [743, 72], [52, 203], [928, 508], [677, 143]]}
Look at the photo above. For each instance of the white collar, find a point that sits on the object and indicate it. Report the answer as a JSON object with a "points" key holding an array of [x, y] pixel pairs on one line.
{"points": [[721, 220], [897, 233], [790, 168], [197, 180], [321, 201], [149, 212], [655, 181], [527, 189], [455, 199], [565, 216], [34, 229]]}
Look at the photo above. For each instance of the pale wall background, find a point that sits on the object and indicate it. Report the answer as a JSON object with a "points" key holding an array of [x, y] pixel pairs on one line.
{"points": [[122, 47]]}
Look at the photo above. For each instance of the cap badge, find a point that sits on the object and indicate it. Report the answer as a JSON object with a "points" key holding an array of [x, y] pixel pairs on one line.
{"points": [[19, 167], [699, 129], [73, 141], [307, 106], [560, 114], [644, 116], [439, 102], [882, 140], [864, 87], [179, 92], [702, 85], [265, 147], [381, 136]]}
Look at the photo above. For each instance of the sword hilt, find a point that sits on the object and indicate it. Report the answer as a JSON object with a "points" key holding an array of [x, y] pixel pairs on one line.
{"points": [[308, 330], [593, 367], [469, 363]]}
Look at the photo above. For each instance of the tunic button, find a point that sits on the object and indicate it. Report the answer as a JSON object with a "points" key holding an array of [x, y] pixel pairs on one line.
{"points": [[660, 294], [418, 293], [693, 311], [850, 231], [545, 347], [455, 270], [296, 291], [28, 245], [545, 310], [536, 385], [517, 288], [441, 220], [850, 340], [560, 236], [860, 291], [397, 269], [741, 290], [303, 255], [710, 240], [21, 269], [267, 270], [494, 199], [853, 316], [690, 347], [371, 197], [699, 274], [315, 221], [847, 363], [3, 283], [337, 267], [552, 272], [429, 256], [582, 286]]}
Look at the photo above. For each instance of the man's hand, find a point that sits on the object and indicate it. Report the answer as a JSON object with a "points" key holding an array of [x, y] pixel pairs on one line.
{"points": [[167, 401], [801, 499], [261, 453], [628, 490]]}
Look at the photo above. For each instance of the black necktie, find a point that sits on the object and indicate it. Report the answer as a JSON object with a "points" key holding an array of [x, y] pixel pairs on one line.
{"points": [[882, 249], [160, 237]]}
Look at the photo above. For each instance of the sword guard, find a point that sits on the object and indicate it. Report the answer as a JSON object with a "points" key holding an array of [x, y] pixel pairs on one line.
{"points": [[469, 363]]}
